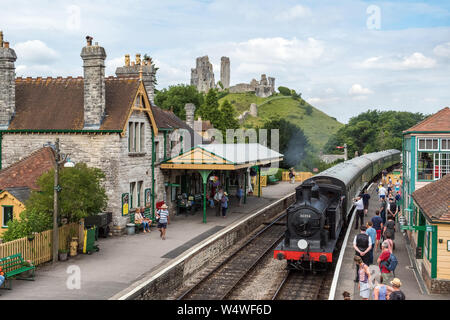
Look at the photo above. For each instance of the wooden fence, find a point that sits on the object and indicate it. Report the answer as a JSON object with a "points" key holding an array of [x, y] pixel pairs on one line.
{"points": [[299, 176], [39, 249]]}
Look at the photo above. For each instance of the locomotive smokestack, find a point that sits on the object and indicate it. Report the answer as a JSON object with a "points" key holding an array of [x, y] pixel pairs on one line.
{"points": [[306, 193]]}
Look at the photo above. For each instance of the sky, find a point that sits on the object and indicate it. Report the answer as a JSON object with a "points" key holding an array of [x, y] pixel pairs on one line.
{"points": [[345, 57]]}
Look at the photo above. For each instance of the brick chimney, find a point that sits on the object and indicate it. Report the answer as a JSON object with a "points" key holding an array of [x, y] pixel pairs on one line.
{"points": [[7, 83], [94, 84], [190, 110]]}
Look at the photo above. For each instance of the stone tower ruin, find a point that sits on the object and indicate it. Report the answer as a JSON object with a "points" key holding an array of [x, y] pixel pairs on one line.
{"points": [[225, 72], [203, 76]]}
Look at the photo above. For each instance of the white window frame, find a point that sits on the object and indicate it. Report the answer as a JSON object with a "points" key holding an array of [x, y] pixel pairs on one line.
{"points": [[447, 143], [425, 146]]}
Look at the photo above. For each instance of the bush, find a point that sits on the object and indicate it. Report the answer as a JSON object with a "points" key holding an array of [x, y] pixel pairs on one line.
{"points": [[284, 91]]}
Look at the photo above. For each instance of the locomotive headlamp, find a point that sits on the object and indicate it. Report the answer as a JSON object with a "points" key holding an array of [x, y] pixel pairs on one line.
{"points": [[302, 244]]}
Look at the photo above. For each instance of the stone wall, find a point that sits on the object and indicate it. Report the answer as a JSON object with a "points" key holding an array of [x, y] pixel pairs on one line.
{"points": [[173, 277], [435, 286], [7, 84]]}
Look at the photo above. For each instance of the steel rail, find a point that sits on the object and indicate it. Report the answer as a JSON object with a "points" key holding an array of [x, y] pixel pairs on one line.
{"points": [[249, 241]]}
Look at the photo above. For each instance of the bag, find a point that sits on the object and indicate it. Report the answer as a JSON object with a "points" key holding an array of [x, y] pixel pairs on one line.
{"points": [[362, 241], [157, 218], [391, 263]]}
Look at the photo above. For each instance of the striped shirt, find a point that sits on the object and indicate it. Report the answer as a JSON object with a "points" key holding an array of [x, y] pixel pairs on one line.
{"points": [[163, 214]]}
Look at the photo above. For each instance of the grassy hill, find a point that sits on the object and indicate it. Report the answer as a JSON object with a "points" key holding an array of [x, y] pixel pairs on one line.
{"points": [[317, 125]]}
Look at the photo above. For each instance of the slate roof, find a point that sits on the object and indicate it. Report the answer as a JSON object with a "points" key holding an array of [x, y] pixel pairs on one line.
{"points": [[434, 199], [22, 193], [166, 119], [26, 172], [58, 103], [440, 121]]}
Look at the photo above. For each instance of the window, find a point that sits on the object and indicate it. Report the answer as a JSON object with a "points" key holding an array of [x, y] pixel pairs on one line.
{"points": [[157, 151], [425, 166], [428, 144], [7, 215], [142, 139], [445, 144], [136, 137], [138, 103], [133, 195], [140, 193]]}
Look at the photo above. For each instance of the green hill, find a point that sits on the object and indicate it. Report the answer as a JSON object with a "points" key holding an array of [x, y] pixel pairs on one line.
{"points": [[316, 125]]}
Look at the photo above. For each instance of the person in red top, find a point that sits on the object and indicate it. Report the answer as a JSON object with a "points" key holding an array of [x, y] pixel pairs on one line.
{"points": [[384, 256]]}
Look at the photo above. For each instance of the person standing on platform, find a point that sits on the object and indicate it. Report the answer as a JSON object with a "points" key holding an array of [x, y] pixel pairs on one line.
{"points": [[383, 208], [292, 175], [382, 192], [392, 208], [362, 245], [389, 229], [163, 216], [380, 292], [224, 204], [239, 195], [366, 197], [359, 211], [384, 172], [218, 199], [396, 293], [377, 223], [385, 254], [364, 278], [372, 233]]}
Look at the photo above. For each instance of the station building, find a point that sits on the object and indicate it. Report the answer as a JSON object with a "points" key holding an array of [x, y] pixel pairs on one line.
{"points": [[426, 165]]}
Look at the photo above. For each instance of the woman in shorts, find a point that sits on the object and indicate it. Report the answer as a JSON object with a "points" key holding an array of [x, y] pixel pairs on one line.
{"points": [[364, 278], [163, 216]]}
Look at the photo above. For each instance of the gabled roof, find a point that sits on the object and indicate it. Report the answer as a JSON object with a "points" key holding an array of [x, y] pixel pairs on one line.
{"points": [[440, 121], [21, 193], [26, 172], [223, 157], [58, 103], [434, 199]]}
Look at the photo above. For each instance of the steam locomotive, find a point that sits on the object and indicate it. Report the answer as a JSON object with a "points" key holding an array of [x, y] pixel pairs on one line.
{"points": [[322, 208]]}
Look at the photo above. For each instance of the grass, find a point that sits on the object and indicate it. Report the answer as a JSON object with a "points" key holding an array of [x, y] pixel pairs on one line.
{"points": [[318, 126]]}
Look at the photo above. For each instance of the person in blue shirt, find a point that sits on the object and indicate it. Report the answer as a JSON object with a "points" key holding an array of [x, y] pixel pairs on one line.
{"points": [[224, 202], [372, 233], [239, 195], [377, 224]]}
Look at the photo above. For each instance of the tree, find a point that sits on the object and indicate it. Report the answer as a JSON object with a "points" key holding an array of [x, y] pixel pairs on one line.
{"points": [[210, 108], [228, 117], [284, 91], [374, 131], [293, 143], [82, 195], [176, 97]]}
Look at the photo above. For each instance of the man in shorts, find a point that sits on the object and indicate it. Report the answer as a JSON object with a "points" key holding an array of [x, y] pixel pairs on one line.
{"points": [[382, 192], [377, 222], [385, 254], [163, 216]]}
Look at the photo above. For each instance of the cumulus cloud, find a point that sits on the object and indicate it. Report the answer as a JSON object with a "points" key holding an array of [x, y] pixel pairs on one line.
{"points": [[35, 52], [414, 61], [358, 89], [442, 50]]}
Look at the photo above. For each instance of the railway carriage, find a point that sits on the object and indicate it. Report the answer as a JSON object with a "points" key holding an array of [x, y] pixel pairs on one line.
{"points": [[323, 207]]}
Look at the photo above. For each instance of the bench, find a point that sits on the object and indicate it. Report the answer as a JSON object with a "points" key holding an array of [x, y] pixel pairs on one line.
{"points": [[273, 180], [13, 266], [141, 225]]}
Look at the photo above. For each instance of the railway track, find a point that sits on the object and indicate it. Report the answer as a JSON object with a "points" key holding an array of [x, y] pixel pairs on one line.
{"points": [[220, 282]]}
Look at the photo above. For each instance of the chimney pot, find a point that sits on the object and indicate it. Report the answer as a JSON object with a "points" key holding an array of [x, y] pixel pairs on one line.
{"points": [[132, 63], [1, 39], [127, 60], [89, 40], [138, 59], [6, 44]]}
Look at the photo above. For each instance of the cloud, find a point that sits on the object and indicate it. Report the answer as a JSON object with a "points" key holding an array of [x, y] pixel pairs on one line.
{"points": [[35, 52], [293, 13], [442, 50], [358, 89], [414, 61]]}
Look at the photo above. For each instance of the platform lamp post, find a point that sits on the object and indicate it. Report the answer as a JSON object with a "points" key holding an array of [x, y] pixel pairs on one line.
{"points": [[59, 159], [205, 174]]}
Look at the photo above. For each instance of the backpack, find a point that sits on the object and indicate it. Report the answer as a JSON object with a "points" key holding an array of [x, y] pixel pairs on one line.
{"points": [[362, 241], [391, 263]]}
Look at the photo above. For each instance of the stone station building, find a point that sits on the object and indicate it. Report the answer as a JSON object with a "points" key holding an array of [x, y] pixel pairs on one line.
{"points": [[106, 122]]}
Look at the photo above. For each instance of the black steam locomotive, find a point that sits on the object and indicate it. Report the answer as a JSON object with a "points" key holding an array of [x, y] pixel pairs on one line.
{"points": [[323, 206]]}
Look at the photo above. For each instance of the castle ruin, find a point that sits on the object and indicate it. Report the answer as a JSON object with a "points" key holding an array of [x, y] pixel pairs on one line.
{"points": [[203, 78]]}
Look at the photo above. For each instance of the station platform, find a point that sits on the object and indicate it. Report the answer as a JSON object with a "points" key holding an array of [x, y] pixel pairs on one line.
{"points": [[412, 284], [124, 260]]}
